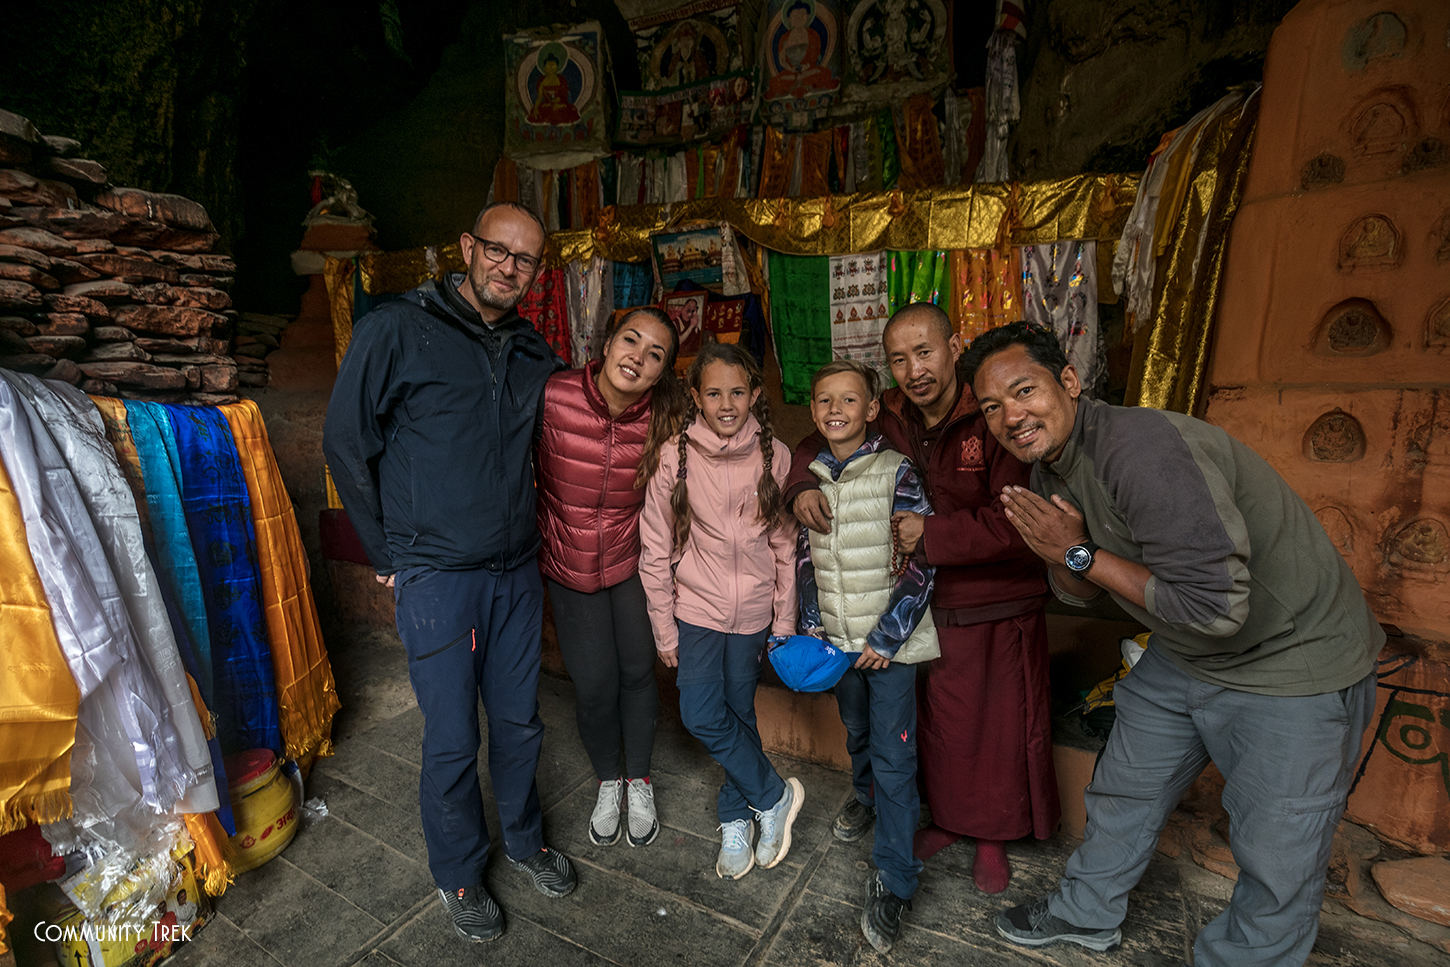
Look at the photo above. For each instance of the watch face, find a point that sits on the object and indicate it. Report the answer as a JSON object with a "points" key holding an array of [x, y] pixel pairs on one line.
{"points": [[1079, 558]]}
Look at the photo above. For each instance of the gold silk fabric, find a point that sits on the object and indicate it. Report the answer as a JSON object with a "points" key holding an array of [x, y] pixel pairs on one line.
{"points": [[1170, 356], [39, 699], [306, 693], [118, 431], [977, 216]]}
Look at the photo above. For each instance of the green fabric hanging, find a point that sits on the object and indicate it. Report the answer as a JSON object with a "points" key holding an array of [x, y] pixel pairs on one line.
{"points": [[923, 276], [800, 313], [890, 157], [873, 158]]}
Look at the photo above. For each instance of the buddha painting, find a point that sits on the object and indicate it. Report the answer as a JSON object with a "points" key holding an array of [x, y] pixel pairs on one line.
{"points": [[798, 54], [552, 103]]}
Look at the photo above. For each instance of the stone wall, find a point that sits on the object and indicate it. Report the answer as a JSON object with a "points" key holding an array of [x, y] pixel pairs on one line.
{"points": [[1330, 354], [1101, 82]]}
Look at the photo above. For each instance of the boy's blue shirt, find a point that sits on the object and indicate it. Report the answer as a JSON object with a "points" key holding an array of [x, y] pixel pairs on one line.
{"points": [[912, 594]]}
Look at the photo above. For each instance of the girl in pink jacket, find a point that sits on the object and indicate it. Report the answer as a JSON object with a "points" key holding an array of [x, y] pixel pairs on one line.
{"points": [[717, 563]]}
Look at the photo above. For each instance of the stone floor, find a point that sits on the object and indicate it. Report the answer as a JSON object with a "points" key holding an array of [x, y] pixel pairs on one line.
{"points": [[353, 888]]}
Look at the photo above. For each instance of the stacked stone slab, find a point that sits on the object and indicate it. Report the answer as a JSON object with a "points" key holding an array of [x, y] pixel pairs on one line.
{"points": [[257, 335], [115, 290]]}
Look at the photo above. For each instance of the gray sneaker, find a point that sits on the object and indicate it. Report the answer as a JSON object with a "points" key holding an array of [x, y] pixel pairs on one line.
{"points": [[775, 824], [1032, 925], [736, 858], [604, 823], [644, 825]]}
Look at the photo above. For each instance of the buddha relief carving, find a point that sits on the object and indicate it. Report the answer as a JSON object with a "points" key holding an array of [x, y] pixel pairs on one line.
{"points": [[1422, 543], [1437, 327], [1440, 238], [1384, 123], [1321, 172], [1338, 527], [1354, 327], [1380, 35], [1336, 437], [1371, 243]]}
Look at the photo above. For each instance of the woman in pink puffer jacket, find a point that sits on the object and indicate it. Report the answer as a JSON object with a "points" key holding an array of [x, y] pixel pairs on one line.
{"points": [[603, 427]]}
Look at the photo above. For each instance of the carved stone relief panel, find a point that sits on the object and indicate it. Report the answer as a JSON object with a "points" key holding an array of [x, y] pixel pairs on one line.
{"points": [[1336, 437], [1385, 122], [1338, 527], [1437, 326], [1440, 238], [1354, 327], [1372, 242], [1420, 544], [1380, 35]]}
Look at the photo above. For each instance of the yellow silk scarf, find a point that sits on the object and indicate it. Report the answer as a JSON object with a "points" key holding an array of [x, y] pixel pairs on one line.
{"points": [[39, 699], [306, 693]]}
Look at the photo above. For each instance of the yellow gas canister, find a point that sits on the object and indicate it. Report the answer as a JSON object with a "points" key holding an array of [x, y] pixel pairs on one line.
{"points": [[264, 804]]}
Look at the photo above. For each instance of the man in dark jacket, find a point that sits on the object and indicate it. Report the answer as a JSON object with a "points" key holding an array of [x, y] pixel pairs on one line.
{"points": [[1262, 654], [984, 720], [429, 436]]}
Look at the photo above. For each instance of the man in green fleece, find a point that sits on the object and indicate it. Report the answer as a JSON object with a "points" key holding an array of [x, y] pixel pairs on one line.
{"points": [[1261, 660]]}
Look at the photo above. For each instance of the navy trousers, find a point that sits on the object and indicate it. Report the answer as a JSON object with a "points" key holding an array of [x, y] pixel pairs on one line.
{"points": [[470, 635], [1287, 763], [878, 708], [717, 678]]}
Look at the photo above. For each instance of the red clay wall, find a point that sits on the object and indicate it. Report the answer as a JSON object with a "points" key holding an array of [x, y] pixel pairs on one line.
{"points": [[1332, 352]]}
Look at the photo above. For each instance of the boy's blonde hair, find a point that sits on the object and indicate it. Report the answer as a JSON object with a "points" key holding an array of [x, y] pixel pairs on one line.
{"points": [[867, 374]]}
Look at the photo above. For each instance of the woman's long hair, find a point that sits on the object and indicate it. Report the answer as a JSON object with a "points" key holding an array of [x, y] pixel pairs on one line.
{"points": [[668, 399], [767, 490]]}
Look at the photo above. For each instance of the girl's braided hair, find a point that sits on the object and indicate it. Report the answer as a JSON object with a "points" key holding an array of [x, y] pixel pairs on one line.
{"points": [[767, 490]]}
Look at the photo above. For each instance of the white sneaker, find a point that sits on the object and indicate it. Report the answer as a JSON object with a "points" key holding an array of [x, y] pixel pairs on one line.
{"points": [[643, 824], [604, 826]]}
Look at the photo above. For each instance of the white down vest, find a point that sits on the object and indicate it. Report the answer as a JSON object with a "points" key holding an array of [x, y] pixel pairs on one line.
{"points": [[853, 562]]}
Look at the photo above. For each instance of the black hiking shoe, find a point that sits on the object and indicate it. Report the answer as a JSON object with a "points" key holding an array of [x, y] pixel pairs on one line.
{"points": [[881, 919], [853, 820], [1032, 925], [475, 916], [551, 871]]}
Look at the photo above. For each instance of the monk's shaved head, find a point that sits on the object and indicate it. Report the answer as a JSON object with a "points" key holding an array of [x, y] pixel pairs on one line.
{"points": [[922, 312]]}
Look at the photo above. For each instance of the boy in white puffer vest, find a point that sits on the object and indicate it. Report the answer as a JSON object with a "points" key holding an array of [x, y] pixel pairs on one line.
{"points": [[859, 595]]}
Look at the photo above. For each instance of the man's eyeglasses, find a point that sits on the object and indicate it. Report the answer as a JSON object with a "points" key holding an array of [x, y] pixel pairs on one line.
{"points": [[496, 253]]}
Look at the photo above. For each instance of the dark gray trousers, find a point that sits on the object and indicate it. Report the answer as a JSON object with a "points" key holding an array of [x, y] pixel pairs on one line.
{"points": [[1287, 763]]}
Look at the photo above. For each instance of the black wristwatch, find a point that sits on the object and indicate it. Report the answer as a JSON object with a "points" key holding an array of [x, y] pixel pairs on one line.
{"points": [[1080, 557]]}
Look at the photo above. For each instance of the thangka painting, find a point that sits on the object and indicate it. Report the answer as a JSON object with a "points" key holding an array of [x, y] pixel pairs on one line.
{"points": [[707, 110], [695, 255], [800, 61], [896, 48], [555, 101], [688, 45]]}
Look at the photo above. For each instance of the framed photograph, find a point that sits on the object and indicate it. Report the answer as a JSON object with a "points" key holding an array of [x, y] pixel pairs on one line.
{"points": [[687, 311], [695, 255]]}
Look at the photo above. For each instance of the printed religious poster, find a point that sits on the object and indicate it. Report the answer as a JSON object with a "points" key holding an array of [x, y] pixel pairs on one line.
{"points": [[695, 255], [687, 311], [800, 61], [709, 110], [896, 48], [555, 100]]}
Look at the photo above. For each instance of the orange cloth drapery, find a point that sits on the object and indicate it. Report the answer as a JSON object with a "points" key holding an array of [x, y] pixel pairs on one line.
{"points": [[986, 290], [39, 699], [306, 694]]}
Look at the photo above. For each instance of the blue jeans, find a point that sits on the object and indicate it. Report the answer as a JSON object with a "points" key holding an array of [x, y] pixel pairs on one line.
{"points": [[879, 711], [1287, 762], [717, 677], [470, 635]]}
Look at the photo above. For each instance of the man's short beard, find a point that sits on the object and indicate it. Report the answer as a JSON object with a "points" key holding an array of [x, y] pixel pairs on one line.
{"points": [[487, 298]]}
